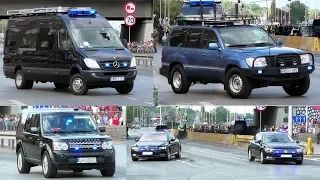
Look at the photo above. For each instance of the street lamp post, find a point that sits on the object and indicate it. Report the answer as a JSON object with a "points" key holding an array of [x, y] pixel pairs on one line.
{"points": [[169, 7]]}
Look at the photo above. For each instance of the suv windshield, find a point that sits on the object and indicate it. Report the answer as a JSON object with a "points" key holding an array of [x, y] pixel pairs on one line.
{"points": [[61, 122], [245, 36], [96, 38]]}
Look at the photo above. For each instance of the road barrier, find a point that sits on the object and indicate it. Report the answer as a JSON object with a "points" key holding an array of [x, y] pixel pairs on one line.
{"points": [[226, 139], [309, 44], [144, 60]]}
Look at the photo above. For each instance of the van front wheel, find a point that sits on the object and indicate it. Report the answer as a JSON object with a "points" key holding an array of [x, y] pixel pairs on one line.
{"points": [[77, 85], [21, 82]]}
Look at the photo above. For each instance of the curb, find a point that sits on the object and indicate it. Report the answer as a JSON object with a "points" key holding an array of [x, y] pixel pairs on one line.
{"points": [[314, 156]]}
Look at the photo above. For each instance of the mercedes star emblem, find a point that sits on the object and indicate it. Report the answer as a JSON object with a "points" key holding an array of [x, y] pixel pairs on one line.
{"points": [[147, 147], [294, 63], [116, 64], [285, 151], [282, 63]]}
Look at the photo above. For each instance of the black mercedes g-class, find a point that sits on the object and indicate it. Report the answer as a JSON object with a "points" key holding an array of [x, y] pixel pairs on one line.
{"points": [[62, 139]]}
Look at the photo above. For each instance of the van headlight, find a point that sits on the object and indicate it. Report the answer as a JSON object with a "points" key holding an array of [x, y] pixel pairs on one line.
{"points": [[60, 146], [306, 58], [91, 63], [258, 62], [133, 63], [106, 145]]}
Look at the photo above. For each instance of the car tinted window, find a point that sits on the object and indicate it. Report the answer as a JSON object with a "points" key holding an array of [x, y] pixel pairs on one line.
{"points": [[46, 38], [62, 36], [194, 38], [178, 37], [13, 38], [154, 138], [28, 38], [31, 121], [209, 36], [277, 138], [35, 121]]}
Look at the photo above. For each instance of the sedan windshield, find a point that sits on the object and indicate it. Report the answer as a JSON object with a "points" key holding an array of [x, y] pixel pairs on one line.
{"points": [[63, 122], [96, 38], [153, 138], [245, 36], [277, 138]]}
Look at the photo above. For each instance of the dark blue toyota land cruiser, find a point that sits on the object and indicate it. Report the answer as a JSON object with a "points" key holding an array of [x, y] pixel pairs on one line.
{"points": [[242, 57]]}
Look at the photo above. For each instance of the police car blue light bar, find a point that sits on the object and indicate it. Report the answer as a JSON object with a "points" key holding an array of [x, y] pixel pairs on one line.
{"points": [[204, 2], [82, 12]]}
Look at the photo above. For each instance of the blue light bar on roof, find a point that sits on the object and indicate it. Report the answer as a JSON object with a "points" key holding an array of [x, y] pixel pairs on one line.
{"points": [[204, 2], [82, 12]]}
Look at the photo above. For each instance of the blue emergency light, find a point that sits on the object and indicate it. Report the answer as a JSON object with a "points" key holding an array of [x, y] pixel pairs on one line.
{"points": [[203, 2], [81, 12]]}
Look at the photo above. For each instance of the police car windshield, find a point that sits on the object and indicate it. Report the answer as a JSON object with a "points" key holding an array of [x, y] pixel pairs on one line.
{"points": [[62, 122], [96, 38], [188, 10], [277, 138], [245, 36], [153, 138]]}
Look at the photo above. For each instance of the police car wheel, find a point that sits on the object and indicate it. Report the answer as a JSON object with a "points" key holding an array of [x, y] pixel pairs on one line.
{"points": [[168, 158], [179, 82], [48, 169], [237, 85], [179, 153], [20, 81], [124, 88], [250, 157], [262, 159], [109, 172], [299, 162], [134, 158], [298, 88], [77, 85], [61, 85], [22, 165]]}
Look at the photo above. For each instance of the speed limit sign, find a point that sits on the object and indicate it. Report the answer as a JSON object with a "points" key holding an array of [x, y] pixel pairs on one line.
{"points": [[130, 20], [261, 108]]}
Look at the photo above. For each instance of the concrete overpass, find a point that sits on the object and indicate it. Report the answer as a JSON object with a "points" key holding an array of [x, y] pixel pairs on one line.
{"points": [[111, 9]]}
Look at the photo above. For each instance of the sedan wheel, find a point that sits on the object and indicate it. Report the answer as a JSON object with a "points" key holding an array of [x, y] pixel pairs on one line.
{"points": [[179, 154], [262, 160], [250, 157], [168, 155]]}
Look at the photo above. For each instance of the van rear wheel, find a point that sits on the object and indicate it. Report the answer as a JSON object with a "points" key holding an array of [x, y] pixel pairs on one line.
{"points": [[77, 85]]}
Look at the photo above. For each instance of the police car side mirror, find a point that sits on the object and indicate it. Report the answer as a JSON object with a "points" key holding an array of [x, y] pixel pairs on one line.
{"points": [[125, 43], [136, 140], [102, 129], [34, 130], [214, 46], [280, 42]]}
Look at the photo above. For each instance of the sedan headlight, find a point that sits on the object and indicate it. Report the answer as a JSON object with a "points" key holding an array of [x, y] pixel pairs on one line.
{"points": [[91, 63], [135, 148], [258, 62], [306, 58], [107, 145], [133, 63], [300, 150], [162, 147], [60, 146], [268, 150]]}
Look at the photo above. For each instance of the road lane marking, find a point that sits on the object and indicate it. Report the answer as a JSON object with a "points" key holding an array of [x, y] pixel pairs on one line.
{"points": [[18, 102], [216, 154], [190, 164], [149, 103], [132, 98], [313, 159]]}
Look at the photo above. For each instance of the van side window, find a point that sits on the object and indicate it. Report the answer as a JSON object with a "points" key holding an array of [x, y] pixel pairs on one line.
{"points": [[194, 38], [209, 37], [13, 36], [28, 38], [46, 38], [178, 37], [62, 37]]}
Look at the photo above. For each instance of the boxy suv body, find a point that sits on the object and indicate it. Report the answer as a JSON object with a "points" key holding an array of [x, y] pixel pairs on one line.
{"points": [[62, 139], [73, 48], [242, 57]]}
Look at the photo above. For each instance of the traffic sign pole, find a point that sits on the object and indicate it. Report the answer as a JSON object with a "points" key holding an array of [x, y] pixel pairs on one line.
{"points": [[260, 121], [129, 37]]}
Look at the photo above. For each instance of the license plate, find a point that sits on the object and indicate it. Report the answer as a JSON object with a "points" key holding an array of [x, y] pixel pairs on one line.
{"points": [[289, 70], [113, 79], [87, 160], [147, 153], [286, 155]]}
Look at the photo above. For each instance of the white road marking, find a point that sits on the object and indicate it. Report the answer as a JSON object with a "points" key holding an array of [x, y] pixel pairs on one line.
{"points": [[4, 167], [205, 103], [190, 164], [149, 103], [19, 103], [216, 154], [312, 159], [318, 67], [132, 98]]}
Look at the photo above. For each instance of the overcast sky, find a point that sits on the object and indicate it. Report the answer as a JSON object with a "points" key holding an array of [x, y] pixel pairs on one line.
{"points": [[281, 3]]}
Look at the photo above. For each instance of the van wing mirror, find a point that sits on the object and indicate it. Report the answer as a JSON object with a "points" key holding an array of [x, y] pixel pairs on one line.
{"points": [[66, 45], [34, 130]]}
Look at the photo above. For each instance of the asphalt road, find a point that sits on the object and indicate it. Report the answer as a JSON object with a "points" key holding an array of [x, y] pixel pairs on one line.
{"points": [[45, 93], [214, 94], [9, 171], [215, 162]]}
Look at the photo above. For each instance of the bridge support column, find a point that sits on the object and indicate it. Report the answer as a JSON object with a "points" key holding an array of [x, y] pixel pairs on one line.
{"points": [[290, 121], [146, 30]]}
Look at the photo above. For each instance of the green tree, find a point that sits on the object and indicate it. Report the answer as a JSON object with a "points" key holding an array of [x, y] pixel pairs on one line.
{"points": [[220, 113], [129, 111], [298, 11], [175, 9], [228, 6], [255, 9]]}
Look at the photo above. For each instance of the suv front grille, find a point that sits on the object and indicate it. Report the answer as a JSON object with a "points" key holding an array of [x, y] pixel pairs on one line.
{"points": [[82, 144], [290, 60]]}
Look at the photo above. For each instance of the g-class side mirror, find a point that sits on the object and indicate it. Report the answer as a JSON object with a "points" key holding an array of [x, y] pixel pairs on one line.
{"points": [[102, 129], [34, 130]]}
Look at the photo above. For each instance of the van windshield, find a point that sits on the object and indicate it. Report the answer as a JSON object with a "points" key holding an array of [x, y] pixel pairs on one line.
{"points": [[96, 38]]}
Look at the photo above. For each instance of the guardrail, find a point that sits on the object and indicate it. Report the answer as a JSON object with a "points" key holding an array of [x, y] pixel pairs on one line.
{"points": [[8, 140], [144, 60]]}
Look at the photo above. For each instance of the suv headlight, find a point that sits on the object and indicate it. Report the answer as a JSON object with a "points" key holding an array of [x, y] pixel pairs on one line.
{"points": [[91, 63], [306, 58], [133, 63], [268, 150], [258, 62], [60, 146], [107, 145]]}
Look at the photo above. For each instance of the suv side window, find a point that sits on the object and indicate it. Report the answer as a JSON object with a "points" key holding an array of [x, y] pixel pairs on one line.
{"points": [[178, 37], [194, 38], [63, 37], [32, 121], [27, 125], [45, 40], [209, 36]]}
